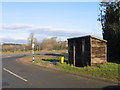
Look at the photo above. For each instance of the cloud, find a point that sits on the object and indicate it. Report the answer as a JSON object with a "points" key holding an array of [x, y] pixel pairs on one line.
{"points": [[62, 32], [13, 39], [15, 26], [48, 30], [43, 31]]}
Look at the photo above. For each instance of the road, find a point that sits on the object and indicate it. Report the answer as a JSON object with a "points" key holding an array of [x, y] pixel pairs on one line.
{"points": [[18, 75]]}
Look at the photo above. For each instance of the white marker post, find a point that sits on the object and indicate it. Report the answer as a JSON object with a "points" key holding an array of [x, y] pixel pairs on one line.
{"points": [[33, 45]]}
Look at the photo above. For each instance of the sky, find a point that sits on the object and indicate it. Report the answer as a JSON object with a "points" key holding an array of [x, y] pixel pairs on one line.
{"points": [[49, 19]]}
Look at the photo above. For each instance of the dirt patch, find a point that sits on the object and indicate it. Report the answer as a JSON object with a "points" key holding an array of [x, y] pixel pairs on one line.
{"points": [[6, 56], [45, 57], [25, 60]]}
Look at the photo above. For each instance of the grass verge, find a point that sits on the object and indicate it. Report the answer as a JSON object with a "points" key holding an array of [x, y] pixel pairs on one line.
{"points": [[30, 51], [107, 71]]}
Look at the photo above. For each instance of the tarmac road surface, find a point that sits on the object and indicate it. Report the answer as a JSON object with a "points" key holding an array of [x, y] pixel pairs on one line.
{"points": [[18, 75]]}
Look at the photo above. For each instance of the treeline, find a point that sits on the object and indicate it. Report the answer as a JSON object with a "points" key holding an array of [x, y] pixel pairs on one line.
{"points": [[109, 18], [46, 44], [53, 44]]}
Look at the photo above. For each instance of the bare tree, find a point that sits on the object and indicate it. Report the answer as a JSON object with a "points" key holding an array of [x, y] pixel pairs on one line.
{"points": [[32, 39]]}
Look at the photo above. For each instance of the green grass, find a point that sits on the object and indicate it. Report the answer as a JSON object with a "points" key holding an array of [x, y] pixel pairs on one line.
{"points": [[42, 62], [107, 71], [37, 61]]}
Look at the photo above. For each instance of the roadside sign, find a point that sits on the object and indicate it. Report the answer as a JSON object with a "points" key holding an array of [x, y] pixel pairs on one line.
{"points": [[38, 44]]}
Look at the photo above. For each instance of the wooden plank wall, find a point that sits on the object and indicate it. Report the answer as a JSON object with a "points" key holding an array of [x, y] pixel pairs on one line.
{"points": [[98, 51]]}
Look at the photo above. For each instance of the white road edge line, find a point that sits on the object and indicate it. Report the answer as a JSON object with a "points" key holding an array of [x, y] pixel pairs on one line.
{"points": [[15, 74]]}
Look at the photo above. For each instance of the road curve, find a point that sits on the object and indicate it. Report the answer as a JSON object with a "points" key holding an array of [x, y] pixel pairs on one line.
{"points": [[17, 75]]}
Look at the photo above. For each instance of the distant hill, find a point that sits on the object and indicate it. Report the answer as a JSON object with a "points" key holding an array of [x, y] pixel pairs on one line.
{"points": [[11, 44]]}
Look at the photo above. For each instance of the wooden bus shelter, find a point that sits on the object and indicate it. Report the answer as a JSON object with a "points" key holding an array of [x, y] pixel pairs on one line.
{"points": [[86, 50]]}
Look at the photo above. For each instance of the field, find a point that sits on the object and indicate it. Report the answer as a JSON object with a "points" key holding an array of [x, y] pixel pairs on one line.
{"points": [[30, 51]]}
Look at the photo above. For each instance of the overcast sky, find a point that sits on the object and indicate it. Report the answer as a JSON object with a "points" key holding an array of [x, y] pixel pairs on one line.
{"points": [[49, 19]]}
